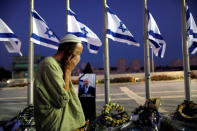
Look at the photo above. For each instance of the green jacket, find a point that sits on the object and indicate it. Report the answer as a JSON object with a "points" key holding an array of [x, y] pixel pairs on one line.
{"points": [[55, 109]]}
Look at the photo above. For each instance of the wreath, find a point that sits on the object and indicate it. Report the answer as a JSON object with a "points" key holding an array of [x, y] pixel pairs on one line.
{"points": [[22, 122], [84, 128], [187, 111], [148, 115], [112, 119]]}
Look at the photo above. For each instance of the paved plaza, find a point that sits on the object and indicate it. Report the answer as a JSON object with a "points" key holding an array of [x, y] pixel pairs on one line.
{"points": [[129, 95]]}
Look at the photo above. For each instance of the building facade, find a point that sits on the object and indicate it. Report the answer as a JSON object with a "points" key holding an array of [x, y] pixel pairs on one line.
{"points": [[20, 66], [135, 65], [121, 65]]}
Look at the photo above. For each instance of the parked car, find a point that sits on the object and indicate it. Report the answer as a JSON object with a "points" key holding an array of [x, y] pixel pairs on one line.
{"points": [[16, 82]]}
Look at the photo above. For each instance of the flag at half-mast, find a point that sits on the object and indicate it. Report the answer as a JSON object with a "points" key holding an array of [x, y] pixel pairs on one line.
{"points": [[117, 31], [42, 34], [11, 41], [156, 41], [76, 27], [191, 32]]}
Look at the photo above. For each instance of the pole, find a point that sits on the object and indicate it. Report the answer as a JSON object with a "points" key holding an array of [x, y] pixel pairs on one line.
{"points": [[153, 66], [67, 8], [106, 55], [186, 66], [30, 59], [146, 52]]}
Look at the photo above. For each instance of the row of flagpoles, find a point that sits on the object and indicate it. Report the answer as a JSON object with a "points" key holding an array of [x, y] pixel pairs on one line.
{"points": [[114, 28]]}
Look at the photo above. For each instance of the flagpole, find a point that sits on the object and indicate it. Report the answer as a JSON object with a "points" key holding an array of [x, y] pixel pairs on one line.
{"points": [[186, 66], [67, 7], [30, 59], [106, 55], [153, 66], [146, 52]]}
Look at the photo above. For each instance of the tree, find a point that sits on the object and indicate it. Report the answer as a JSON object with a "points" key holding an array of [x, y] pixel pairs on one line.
{"points": [[88, 69], [4, 74]]}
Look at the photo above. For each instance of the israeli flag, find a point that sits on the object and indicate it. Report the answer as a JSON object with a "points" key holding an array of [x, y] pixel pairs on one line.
{"points": [[117, 31], [191, 32], [42, 34], [76, 27], [12, 43], [156, 41]]}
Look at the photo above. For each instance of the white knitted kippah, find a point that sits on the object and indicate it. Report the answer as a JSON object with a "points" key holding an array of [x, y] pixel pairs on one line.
{"points": [[70, 38]]}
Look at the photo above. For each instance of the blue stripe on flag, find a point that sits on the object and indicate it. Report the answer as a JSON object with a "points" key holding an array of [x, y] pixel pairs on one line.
{"points": [[78, 34], [121, 36], [7, 35], [73, 14], [155, 43], [193, 46], [35, 15], [155, 35], [109, 10], [160, 52], [44, 40], [92, 47]]}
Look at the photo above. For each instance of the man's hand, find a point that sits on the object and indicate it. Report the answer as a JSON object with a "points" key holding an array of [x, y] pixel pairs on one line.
{"points": [[68, 68], [70, 64]]}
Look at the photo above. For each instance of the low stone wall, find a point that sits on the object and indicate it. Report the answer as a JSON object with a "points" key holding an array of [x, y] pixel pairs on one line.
{"points": [[138, 75]]}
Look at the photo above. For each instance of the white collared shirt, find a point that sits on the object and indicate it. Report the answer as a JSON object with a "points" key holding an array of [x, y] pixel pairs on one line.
{"points": [[86, 89]]}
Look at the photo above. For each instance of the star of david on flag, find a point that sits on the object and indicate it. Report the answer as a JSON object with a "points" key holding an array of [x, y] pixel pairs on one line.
{"points": [[11, 41], [117, 31], [156, 41], [76, 27], [191, 32], [42, 34]]}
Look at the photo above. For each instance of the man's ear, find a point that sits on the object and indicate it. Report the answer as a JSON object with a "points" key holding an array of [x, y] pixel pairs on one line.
{"points": [[61, 53]]}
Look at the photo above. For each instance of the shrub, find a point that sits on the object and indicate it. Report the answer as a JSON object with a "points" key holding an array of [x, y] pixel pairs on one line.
{"points": [[163, 77], [101, 81], [119, 80]]}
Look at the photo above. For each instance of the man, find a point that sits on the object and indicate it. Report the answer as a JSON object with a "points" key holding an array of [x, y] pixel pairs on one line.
{"points": [[57, 107], [86, 89]]}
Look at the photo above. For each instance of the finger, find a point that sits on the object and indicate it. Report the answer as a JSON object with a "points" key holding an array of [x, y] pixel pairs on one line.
{"points": [[69, 58]]}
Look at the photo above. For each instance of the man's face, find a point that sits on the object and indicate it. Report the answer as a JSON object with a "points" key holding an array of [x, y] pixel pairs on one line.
{"points": [[86, 82], [74, 58], [77, 53]]}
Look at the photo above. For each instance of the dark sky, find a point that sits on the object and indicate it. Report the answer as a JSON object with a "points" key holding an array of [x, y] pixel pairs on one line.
{"points": [[167, 14]]}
